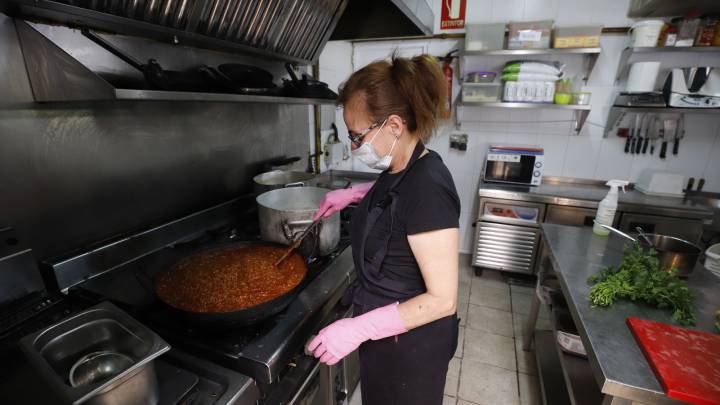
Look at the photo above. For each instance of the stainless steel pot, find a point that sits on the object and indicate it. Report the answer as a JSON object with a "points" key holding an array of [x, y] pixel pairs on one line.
{"points": [[279, 179], [674, 253], [284, 213]]}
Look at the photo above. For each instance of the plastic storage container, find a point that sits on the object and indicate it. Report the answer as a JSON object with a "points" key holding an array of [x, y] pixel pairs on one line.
{"points": [[484, 37], [480, 77], [480, 92], [712, 259], [529, 92], [529, 34], [577, 37], [687, 31]]}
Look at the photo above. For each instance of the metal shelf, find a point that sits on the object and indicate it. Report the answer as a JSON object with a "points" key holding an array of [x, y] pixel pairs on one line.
{"points": [[581, 385], [617, 113], [579, 379], [520, 52], [580, 112], [552, 381], [75, 82], [157, 95], [658, 49], [624, 67], [590, 55], [564, 378], [550, 106]]}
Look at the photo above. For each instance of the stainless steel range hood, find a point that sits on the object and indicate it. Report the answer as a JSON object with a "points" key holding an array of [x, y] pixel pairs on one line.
{"points": [[671, 8], [293, 30], [372, 19]]}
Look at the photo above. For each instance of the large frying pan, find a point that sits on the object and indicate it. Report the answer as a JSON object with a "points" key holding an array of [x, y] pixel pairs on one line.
{"points": [[243, 317]]}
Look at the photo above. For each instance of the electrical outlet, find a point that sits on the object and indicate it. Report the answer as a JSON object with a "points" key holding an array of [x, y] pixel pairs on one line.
{"points": [[458, 142]]}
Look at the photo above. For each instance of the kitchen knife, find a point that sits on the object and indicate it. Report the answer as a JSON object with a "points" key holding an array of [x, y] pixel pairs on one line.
{"points": [[656, 130], [669, 131], [641, 120], [680, 134], [635, 130], [631, 132], [646, 137]]}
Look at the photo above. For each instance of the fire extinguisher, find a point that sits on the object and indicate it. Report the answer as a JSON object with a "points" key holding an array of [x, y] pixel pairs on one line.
{"points": [[448, 72]]}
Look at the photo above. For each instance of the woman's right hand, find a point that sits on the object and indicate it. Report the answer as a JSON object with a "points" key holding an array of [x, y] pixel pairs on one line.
{"points": [[336, 200]]}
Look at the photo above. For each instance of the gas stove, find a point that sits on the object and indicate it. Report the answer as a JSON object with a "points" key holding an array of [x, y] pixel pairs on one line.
{"points": [[265, 351], [260, 351], [270, 353]]}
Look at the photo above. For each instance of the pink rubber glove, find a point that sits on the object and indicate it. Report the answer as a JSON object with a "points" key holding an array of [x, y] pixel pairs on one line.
{"points": [[336, 200], [340, 338]]}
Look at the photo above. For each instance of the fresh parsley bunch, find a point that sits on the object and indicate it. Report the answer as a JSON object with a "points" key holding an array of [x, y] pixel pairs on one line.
{"points": [[639, 278]]}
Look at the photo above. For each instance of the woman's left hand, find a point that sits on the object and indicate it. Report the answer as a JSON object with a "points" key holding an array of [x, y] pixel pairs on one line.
{"points": [[342, 337]]}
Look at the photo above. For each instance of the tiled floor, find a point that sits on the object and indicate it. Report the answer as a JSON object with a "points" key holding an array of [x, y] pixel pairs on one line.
{"points": [[490, 367]]}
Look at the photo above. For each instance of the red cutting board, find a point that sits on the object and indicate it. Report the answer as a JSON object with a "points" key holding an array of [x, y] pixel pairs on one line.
{"points": [[685, 361]]}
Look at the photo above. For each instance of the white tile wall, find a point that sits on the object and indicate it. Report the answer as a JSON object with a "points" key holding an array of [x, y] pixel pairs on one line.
{"points": [[588, 155], [335, 67]]}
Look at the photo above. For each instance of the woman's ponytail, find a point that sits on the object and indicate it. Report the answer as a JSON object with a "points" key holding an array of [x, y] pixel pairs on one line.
{"points": [[415, 89]]}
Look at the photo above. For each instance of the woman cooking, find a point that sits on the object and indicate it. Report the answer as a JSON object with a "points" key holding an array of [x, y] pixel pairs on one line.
{"points": [[404, 237]]}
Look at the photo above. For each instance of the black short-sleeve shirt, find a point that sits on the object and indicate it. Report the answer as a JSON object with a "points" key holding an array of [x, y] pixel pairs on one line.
{"points": [[427, 201]]}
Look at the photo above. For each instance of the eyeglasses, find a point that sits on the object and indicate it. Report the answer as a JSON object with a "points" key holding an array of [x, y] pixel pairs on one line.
{"points": [[356, 139]]}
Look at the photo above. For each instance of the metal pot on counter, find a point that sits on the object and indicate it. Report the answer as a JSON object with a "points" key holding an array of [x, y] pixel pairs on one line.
{"points": [[279, 179], [673, 253], [286, 212]]}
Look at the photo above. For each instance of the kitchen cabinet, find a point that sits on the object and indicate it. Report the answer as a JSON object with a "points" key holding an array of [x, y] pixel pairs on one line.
{"points": [[573, 216], [507, 235], [573, 203]]}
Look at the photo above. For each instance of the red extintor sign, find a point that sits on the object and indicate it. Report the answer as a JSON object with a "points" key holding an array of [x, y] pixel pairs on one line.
{"points": [[452, 16]]}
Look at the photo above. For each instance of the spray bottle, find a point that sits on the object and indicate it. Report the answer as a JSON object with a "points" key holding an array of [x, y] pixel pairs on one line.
{"points": [[607, 207]]}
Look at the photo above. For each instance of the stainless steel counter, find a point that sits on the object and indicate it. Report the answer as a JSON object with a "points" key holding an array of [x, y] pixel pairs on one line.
{"points": [[560, 191], [619, 366], [588, 195]]}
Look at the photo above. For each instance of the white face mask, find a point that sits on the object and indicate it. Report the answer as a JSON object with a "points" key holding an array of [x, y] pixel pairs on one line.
{"points": [[366, 153]]}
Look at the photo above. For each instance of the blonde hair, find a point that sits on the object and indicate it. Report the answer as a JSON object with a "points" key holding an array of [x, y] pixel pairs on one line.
{"points": [[414, 89]]}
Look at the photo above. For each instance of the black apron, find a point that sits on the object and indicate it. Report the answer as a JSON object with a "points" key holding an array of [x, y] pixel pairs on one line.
{"points": [[371, 288], [409, 368]]}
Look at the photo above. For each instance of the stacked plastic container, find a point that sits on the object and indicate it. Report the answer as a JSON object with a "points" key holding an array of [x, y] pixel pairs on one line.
{"points": [[530, 81]]}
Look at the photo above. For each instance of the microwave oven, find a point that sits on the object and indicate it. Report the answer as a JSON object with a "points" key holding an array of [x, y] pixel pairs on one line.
{"points": [[514, 165]]}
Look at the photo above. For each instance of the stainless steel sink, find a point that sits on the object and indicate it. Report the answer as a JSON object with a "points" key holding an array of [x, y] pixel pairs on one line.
{"points": [[55, 350]]}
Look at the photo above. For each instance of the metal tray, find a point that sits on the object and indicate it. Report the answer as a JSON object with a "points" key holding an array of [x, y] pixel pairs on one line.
{"points": [[53, 350]]}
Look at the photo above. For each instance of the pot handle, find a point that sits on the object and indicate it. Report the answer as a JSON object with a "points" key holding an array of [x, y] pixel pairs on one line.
{"points": [[287, 227], [295, 184]]}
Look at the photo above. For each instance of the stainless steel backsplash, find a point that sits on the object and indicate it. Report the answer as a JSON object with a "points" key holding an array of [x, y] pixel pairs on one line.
{"points": [[74, 174]]}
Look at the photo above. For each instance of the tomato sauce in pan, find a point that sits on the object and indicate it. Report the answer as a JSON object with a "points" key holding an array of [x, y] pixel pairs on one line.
{"points": [[231, 279]]}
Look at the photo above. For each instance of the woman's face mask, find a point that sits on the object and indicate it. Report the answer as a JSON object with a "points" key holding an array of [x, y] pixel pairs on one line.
{"points": [[366, 153]]}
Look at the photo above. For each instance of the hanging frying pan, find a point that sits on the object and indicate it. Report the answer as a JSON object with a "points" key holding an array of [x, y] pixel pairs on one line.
{"points": [[257, 85], [156, 77], [307, 87], [247, 75]]}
